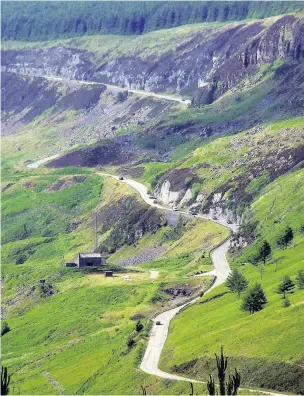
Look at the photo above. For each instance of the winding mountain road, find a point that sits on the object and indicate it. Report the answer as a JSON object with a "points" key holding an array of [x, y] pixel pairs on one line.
{"points": [[114, 88], [159, 333]]}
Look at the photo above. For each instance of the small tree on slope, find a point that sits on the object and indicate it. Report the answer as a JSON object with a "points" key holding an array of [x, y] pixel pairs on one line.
{"points": [[284, 240], [255, 300], [286, 286], [300, 279], [5, 380], [264, 252], [236, 282]]}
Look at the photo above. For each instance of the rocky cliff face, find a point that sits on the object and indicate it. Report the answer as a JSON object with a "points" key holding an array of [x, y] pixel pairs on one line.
{"points": [[203, 67]]}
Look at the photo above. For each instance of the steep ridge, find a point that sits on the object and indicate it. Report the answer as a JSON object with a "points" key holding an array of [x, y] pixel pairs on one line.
{"points": [[224, 55]]}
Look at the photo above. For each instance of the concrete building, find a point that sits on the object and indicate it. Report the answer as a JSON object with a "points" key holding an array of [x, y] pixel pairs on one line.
{"points": [[90, 260]]}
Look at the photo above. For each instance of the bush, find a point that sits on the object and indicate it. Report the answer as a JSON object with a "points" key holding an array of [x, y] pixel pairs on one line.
{"points": [[285, 303], [4, 328], [130, 341], [121, 96], [139, 326]]}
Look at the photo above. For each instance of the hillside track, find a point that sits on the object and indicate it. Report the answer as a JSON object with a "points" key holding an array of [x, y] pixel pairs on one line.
{"points": [[114, 88]]}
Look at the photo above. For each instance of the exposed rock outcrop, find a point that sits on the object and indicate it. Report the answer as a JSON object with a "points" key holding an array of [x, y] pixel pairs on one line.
{"points": [[223, 57]]}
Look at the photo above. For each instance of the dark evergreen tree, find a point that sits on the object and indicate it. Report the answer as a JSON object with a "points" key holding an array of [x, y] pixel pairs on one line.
{"points": [[264, 252], [221, 363], [5, 381], [286, 286], [226, 388], [236, 282], [300, 279], [139, 326], [255, 300], [4, 328], [47, 20], [285, 238], [211, 385]]}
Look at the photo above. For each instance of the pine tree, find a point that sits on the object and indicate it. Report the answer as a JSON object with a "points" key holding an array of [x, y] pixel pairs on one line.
{"points": [[286, 286], [5, 380], [4, 328], [284, 240], [226, 388], [264, 252], [236, 282], [300, 279], [255, 300]]}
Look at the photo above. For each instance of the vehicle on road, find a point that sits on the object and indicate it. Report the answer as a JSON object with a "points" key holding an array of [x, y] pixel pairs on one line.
{"points": [[175, 209], [158, 323], [121, 178]]}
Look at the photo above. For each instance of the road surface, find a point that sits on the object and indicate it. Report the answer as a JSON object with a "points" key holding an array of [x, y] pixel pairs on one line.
{"points": [[115, 88]]}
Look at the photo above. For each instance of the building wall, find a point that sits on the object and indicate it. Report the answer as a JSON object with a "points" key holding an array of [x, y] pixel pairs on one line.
{"points": [[91, 261]]}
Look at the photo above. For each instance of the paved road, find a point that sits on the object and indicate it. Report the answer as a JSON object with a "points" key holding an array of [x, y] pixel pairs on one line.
{"points": [[115, 88]]}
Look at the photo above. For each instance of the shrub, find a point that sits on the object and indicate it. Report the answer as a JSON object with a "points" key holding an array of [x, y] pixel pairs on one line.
{"points": [[130, 341], [121, 96], [285, 303], [4, 328], [300, 279], [139, 326]]}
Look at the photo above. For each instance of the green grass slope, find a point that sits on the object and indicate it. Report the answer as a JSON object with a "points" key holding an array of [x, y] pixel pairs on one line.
{"points": [[77, 340], [267, 346]]}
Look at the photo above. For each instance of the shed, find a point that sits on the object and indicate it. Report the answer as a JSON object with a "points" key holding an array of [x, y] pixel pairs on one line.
{"points": [[70, 265], [90, 260]]}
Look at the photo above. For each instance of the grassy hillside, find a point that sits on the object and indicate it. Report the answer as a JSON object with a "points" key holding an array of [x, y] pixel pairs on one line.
{"points": [[260, 344], [78, 328], [76, 339], [73, 331]]}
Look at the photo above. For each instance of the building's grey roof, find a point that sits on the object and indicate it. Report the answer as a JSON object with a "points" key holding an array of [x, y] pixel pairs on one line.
{"points": [[85, 255]]}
